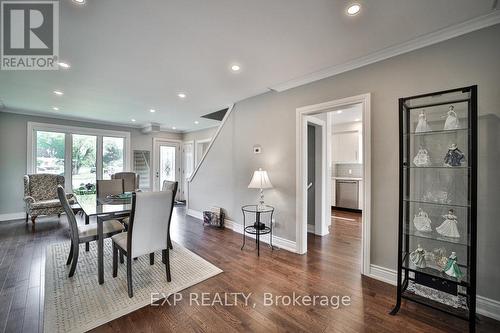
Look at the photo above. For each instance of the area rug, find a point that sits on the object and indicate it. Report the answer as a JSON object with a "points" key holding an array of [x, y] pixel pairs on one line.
{"points": [[79, 304]]}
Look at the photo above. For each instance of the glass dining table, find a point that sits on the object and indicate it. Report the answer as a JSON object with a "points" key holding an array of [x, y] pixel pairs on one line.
{"points": [[103, 209]]}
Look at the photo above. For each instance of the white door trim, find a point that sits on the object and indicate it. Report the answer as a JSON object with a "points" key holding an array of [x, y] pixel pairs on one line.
{"points": [[321, 228], [183, 184], [301, 172]]}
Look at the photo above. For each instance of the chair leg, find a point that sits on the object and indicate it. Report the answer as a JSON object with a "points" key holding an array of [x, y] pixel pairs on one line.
{"points": [[27, 215], [70, 254], [165, 254], [121, 256], [76, 249], [129, 276], [115, 260], [33, 218], [151, 258]]}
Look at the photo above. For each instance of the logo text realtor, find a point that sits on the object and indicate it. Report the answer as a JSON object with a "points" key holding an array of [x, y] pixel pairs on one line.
{"points": [[29, 35]]}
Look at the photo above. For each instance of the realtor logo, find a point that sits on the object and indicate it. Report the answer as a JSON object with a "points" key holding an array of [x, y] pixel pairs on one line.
{"points": [[29, 35]]}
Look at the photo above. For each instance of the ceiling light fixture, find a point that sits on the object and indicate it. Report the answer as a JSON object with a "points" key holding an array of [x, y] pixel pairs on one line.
{"points": [[80, 2], [55, 108], [133, 120], [64, 65], [174, 128], [235, 68], [353, 9], [339, 111], [182, 95], [357, 119], [152, 110], [196, 122], [58, 92]]}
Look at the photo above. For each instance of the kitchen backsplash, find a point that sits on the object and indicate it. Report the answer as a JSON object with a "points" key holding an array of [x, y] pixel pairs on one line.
{"points": [[342, 170]]}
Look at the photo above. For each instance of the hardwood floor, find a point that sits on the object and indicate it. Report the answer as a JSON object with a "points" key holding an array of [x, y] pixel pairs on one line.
{"points": [[331, 268]]}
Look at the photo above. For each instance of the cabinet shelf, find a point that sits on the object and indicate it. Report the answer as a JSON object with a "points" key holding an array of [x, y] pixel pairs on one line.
{"points": [[434, 236], [434, 132], [436, 203]]}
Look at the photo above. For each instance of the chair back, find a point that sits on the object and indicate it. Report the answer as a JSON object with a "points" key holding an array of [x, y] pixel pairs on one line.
{"points": [[42, 186], [149, 225], [130, 180], [109, 187], [69, 214], [168, 185]]}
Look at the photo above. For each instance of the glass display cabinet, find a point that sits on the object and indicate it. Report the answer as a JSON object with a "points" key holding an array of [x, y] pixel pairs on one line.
{"points": [[437, 204]]}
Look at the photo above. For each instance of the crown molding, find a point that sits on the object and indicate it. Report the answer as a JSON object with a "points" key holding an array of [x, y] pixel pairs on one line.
{"points": [[438, 36]]}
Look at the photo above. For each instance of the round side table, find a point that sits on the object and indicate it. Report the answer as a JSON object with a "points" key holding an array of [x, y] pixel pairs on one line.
{"points": [[258, 227]]}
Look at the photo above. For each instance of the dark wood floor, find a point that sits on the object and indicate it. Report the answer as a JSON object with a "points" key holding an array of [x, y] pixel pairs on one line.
{"points": [[331, 267]]}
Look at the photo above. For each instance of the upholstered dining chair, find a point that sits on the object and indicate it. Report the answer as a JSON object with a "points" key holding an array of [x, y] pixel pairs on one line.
{"points": [[130, 180], [169, 186], [109, 187], [148, 231], [83, 233]]}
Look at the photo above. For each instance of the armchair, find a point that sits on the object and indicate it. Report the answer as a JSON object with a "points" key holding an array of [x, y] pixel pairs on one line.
{"points": [[40, 195]]}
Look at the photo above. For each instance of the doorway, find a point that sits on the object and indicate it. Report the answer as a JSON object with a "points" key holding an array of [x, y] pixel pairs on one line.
{"points": [[303, 119], [187, 167], [166, 162]]}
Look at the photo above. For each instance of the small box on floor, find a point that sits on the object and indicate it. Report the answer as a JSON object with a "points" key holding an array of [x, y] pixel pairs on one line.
{"points": [[214, 217]]}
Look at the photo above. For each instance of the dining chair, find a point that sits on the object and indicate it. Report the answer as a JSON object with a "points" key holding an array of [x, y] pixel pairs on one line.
{"points": [[148, 231], [130, 181], [83, 233], [109, 187], [169, 186]]}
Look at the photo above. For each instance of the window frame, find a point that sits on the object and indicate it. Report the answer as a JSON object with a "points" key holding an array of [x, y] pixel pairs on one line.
{"points": [[34, 127]]}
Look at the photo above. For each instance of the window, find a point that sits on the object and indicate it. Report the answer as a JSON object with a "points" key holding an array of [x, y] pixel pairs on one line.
{"points": [[50, 149], [82, 155], [112, 156]]}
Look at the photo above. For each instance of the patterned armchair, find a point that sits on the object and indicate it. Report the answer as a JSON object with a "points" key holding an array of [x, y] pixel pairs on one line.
{"points": [[40, 195]]}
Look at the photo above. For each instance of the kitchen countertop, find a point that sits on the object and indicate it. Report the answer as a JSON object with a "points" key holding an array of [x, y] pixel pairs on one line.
{"points": [[348, 178]]}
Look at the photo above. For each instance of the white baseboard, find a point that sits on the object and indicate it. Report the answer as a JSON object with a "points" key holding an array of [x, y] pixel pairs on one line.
{"points": [[279, 242], [484, 306], [12, 216]]}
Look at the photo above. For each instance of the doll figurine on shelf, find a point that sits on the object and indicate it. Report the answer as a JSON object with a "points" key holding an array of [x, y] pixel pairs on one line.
{"points": [[418, 257], [449, 226], [422, 125], [451, 122], [452, 268], [422, 158], [454, 157], [422, 221]]}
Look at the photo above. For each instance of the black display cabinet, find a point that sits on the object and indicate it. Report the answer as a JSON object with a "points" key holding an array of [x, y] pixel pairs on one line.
{"points": [[437, 202]]}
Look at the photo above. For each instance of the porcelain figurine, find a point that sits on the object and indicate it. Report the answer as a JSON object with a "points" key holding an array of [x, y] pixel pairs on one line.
{"points": [[439, 257], [422, 158], [451, 122], [418, 257], [422, 221], [422, 125], [454, 157], [449, 226], [452, 268]]}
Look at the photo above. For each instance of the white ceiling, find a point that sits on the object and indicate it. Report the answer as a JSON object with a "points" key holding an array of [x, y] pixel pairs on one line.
{"points": [[348, 115], [130, 56]]}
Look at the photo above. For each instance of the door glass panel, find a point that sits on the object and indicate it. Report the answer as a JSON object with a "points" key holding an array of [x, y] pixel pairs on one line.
{"points": [[112, 156], [83, 169], [167, 164], [50, 152]]}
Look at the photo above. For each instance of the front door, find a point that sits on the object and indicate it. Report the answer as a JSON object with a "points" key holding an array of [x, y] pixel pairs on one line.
{"points": [[167, 166]]}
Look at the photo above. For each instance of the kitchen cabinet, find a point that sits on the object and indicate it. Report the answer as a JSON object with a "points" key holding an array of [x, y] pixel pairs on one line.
{"points": [[346, 147]]}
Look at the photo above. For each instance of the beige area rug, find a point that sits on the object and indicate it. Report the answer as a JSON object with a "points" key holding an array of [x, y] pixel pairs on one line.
{"points": [[79, 304]]}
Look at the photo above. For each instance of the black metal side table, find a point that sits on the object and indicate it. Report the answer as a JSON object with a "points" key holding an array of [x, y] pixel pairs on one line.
{"points": [[258, 227]]}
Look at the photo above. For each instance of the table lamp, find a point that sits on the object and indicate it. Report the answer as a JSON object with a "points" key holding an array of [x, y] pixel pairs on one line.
{"points": [[261, 181]]}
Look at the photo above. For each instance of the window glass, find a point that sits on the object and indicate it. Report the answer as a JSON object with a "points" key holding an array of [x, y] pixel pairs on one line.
{"points": [[112, 156], [83, 169], [50, 152]]}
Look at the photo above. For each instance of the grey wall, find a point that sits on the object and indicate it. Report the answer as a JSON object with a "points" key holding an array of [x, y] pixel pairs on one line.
{"points": [[200, 135], [13, 136], [269, 120]]}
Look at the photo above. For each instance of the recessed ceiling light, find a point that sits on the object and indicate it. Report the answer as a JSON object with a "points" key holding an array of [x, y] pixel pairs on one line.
{"points": [[196, 122], [80, 2], [55, 108], [64, 65], [235, 68], [152, 110], [357, 119], [353, 9], [339, 111], [133, 120], [182, 95], [58, 92], [174, 128]]}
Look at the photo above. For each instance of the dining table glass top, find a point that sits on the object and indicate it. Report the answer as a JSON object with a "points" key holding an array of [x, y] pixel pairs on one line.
{"points": [[92, 205]]}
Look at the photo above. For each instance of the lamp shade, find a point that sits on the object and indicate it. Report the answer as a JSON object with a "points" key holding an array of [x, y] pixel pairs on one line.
{"points": [[260, 179]]}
